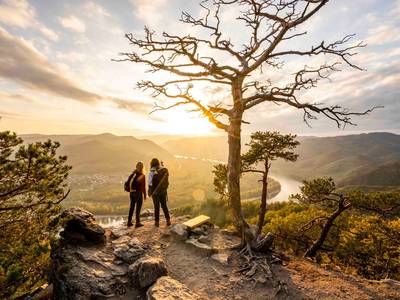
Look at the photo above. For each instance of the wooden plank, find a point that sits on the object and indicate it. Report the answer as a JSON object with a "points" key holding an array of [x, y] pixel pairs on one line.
{"points": [[195, 222]]}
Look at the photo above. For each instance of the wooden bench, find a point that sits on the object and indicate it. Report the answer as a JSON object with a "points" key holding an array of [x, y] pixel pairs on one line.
{"points": [[195, 222]]}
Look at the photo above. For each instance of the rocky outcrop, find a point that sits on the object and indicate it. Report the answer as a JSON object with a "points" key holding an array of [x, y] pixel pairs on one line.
{"points": [[167, 288], [88, 265], [81, 227], [89, 262], [145, 271]]}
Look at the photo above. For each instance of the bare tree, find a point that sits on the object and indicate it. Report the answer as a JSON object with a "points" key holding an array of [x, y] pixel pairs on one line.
{"points": [[272, 24]]}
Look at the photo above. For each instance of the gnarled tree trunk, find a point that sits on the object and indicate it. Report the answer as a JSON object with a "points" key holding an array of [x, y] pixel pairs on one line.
{"points": [[317, 245], [234, 160]]}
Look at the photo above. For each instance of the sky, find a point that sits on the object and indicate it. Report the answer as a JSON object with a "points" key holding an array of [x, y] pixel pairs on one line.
{"points": [[57, 74]]}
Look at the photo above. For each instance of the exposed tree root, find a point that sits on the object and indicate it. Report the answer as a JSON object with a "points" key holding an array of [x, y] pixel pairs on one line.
{"points": [[256, 257], [255, 267]]}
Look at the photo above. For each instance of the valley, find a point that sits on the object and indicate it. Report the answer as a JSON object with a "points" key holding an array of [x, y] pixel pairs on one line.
{"points": [[101, 164]]}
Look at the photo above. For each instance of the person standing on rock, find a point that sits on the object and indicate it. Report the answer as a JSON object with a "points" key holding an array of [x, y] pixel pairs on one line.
{"points": [[136, 186], [158, 186]]}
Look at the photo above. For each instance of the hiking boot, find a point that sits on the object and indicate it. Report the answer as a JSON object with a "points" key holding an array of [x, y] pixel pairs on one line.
{"points": [[129, 224], [157, 224], [168, 223], [139, 225]]}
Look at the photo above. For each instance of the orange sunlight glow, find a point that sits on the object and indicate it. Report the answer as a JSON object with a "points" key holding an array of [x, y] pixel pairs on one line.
{"points": [[181, 123]]}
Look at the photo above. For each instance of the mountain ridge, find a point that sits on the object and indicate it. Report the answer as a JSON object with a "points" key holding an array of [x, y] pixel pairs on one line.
{"points": [[341, 157]]}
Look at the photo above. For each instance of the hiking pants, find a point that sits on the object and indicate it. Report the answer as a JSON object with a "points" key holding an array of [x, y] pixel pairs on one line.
{"points": [[160, 199], [136, 199]]}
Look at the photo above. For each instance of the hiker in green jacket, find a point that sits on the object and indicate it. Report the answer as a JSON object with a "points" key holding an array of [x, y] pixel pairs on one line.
{"points": [[158, 186]]}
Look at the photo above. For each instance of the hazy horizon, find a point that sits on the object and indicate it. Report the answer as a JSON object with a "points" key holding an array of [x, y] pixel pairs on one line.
{"points": [[222, 134]]}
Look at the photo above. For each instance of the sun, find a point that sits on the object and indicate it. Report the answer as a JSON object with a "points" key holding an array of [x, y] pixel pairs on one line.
{"points": [[183, 123]]}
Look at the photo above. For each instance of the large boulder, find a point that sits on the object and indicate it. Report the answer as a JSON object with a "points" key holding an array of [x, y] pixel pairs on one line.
{"points": [[145, 271], [167, 288], [81, 227]]}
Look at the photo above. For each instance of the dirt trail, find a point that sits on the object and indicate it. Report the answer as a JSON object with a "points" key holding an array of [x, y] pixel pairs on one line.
{"points": [[298, 279]]}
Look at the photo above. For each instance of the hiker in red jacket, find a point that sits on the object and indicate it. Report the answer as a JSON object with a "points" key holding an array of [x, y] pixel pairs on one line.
{"points": [[137, 190]]}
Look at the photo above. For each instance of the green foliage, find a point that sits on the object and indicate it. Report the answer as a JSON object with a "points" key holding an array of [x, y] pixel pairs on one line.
{"points": [[320, 192], [386, 204], [364, 240], [316, 190], [220, 182], [265, 147], [32, 183], [287, 222], [268, 146], [30, 175], [370, 245]]}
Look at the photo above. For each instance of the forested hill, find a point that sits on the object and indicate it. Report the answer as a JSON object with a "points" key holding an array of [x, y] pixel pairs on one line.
{"points": [[104, 153], [362, 159], [340, 156], [386, 175], [102, 162]]}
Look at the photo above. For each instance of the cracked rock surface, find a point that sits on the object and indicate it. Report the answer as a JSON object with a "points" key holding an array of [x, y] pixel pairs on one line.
{"points": [[89, 262]]}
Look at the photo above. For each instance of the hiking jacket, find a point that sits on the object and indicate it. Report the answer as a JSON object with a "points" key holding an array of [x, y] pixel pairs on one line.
{"points": [[153, 188], [138, 183]]}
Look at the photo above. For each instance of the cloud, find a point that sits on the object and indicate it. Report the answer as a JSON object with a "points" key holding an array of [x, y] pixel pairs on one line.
{"points": [[19, 13], [150, 12], [70, 56], [383, 34], [93, 9], [132, 106], [73, 23], [8, 115], [21, 62], [4, 95]]}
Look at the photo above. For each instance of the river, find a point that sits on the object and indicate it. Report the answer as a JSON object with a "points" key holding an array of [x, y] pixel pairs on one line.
{"points": [[110, 221], [289, 186]]}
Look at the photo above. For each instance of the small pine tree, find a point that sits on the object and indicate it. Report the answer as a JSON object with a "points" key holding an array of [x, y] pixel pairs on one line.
{"points": [[32, 184], [265, 147]]}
